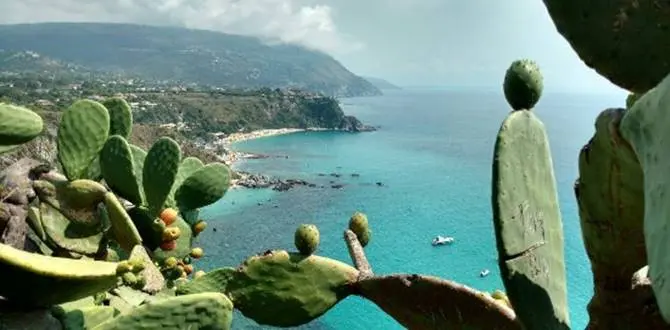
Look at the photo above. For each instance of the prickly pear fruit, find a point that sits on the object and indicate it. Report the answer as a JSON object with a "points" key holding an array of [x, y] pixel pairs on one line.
{"points": [[199, 227], [129, 278], [170, 262], [123, 267], [197, 253], [199, 274], [168, 245], [523, 84], [188, 269], [359, 225], [171, 233], [18, 125], [158, 225], [168, 215], [307, 239]]}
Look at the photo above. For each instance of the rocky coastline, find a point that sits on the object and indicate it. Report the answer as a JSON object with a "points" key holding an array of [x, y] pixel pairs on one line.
{"points": [[248, 180]]}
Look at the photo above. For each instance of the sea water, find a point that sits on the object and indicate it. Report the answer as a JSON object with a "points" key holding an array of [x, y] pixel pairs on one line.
{"points": [[432, 158]]}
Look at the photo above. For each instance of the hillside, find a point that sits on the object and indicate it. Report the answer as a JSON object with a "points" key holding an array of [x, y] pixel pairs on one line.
{"points": [[381, 83], [178, 55]]}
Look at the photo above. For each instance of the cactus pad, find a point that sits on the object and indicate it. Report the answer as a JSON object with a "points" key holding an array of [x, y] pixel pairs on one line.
{"points": [[82, 132], [85, 317], [120, 115], [622, 43], [423, 302], [123, 229], [204, 187], [118, 169], [279, 288], [69, 235], [43, 281], [160, 170], [527, 223], [18, 125], [523, 84], [209, 310], [611, 203], [644, 126]]}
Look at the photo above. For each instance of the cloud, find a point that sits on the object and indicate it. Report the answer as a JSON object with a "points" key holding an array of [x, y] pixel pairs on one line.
{"points": [[287, 21]]}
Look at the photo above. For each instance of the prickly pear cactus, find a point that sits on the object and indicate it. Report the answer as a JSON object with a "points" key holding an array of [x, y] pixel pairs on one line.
{"points": [[622, 43], [38, 280], [83, 130], [121, 116], [209, 310], [280, 288], [18, 125], [117, 166], [644, 126], [424, 302], [203, 187], [527, 223], [611, 203], [160, 170], [358, 223]]}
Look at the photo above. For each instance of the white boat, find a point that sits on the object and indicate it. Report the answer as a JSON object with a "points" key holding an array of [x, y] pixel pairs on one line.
{"points": [[484, 273], [441, 240]]}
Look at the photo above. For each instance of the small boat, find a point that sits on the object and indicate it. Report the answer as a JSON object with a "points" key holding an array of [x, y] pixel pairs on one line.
{"points": [[484, 273], [441, 240]]}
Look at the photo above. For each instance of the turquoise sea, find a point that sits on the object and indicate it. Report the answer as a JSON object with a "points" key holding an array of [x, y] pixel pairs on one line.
{"points": [[433, 156]]}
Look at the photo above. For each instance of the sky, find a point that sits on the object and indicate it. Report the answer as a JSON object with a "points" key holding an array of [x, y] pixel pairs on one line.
{"points": [[446, 43]]}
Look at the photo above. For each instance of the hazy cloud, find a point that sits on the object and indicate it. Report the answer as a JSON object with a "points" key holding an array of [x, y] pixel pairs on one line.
{"points": [[275, 20]]}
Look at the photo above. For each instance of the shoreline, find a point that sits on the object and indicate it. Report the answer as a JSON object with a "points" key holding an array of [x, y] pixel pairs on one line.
{"points": [[234, 156]]}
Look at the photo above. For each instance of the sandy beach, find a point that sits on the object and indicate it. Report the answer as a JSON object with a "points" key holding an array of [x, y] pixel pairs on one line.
{"points": [[233, 156]]}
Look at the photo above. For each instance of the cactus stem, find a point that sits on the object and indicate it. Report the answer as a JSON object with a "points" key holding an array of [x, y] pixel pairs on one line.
{"points": [[357, 255]]}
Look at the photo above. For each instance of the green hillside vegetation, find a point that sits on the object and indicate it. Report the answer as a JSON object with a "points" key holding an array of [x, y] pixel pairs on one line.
{"points": [[179, 55]]}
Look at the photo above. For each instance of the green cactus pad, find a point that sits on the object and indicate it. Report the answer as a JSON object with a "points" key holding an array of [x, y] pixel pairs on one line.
{"points": [[118, 169], [622, 40], [644, 126], [191, 216], [611, 204], [204, 187], [424, 302], [523, 84], [39, 280], [160, 170], [188, 166], [83, 130], [120, 115], [527, 223], [62, 197], [69, 235], [184, 243], [35, 220], [123, 229], [85, 317], [139, 155], [209, 310], [80, 194], [631, 99], [18, 125], [93, 171], [280, 288]]}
